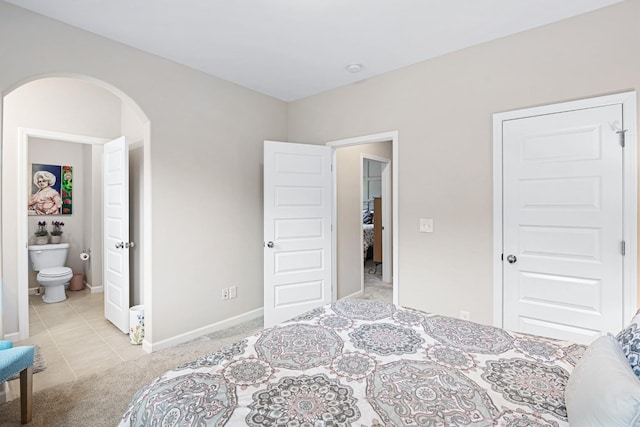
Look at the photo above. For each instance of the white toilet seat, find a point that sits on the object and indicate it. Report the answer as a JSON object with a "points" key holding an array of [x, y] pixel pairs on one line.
{"points": [[54, 272]]}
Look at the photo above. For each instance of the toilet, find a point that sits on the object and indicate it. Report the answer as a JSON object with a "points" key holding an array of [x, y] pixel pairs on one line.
{"points": [[48, 261]]}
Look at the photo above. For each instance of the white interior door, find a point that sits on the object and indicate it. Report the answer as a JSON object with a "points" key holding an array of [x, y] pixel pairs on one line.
{"points": [[297, 229], [116, 233], [563, 224], [387, 224]]}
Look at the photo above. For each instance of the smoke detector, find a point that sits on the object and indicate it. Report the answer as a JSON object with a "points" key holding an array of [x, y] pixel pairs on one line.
{"points": [[354, 68]]}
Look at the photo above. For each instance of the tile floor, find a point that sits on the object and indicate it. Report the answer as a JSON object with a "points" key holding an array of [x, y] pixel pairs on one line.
{"points": [[374, 287], [75, 338]]}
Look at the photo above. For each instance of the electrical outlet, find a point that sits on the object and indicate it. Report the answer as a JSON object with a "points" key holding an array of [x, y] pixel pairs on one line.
{"points": [[464, 315], [233, 292], [225, 293], [426, 225]]}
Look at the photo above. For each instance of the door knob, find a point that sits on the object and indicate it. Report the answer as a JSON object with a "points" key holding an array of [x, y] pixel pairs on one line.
{"points": [[270, 244], [511, 259], [119, 245]]}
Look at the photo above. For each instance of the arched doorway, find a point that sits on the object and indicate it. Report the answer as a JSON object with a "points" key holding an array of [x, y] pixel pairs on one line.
{"points": [[47, 107]]}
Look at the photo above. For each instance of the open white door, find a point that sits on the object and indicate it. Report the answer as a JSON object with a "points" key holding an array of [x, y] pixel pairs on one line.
{"points": [[297, 229], [116, 233]]}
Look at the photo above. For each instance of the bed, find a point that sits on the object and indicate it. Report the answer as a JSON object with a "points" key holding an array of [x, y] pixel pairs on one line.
{"points": [[367, 240], [368, 363], [372, 231]]}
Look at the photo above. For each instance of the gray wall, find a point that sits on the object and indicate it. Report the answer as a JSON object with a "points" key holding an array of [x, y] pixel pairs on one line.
{"points": [[205, 154], [443, 111], [206, 151]]}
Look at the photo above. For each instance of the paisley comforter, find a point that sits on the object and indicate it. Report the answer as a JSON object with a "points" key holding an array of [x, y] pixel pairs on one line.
{"points": [[367, 363]]}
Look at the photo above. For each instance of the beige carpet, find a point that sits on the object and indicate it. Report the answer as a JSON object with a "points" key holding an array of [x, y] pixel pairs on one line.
{"points": [[101, 399]]}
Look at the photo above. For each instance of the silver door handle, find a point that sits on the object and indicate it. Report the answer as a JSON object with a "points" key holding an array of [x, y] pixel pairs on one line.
{"points": [[122, 245], [511, 259], [270, 244], [119, 245], [129, 245]]}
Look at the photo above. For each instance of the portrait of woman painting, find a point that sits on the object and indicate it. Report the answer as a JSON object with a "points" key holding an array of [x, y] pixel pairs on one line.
{"points": [[50, 190]]}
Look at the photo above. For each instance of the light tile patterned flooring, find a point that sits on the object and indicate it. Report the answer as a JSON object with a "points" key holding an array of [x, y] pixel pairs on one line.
{"points": [[374, 287], [75, 338]]}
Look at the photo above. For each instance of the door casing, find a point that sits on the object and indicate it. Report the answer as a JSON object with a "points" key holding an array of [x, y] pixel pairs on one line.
{"points": [[630, 183], [23, 264]]}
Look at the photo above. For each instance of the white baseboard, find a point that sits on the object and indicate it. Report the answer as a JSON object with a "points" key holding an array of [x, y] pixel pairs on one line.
{"points": [[14, 337], [94, 289], [196, 333], [354, 295]]}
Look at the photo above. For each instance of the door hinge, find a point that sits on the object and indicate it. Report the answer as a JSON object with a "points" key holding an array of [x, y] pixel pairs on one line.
{"points": [[621, 134], [623, 248]]}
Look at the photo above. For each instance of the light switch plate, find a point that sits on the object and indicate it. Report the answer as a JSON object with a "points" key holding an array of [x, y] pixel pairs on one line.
{"points": [[426, 225]]}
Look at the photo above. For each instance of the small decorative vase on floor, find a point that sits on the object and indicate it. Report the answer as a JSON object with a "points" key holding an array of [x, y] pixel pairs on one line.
{"points": [[136, 324], [42, 240], [55, 239]]}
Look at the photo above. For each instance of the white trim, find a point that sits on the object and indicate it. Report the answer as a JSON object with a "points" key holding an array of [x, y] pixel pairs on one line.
{"points": [[369, 139], [355, 295], [205, 330], [146, 236], [22, 224], [629, 117], [14, 337], [387, 249], [630, 183], [96, 289], [498, 231]]}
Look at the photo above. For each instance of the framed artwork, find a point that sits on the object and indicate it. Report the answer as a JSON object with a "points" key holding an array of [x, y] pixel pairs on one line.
{"points": [[51, 190]]}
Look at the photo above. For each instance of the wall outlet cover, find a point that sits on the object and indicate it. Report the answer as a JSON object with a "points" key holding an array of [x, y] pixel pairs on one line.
{"points": [[426, 225]]}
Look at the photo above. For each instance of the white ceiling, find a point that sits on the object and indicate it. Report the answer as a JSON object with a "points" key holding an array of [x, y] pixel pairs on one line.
{"points": [[291, 49]]}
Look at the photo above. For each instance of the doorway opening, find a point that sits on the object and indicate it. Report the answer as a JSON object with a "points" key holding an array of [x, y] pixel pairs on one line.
{"points": [[348, 248], [376, 245]]}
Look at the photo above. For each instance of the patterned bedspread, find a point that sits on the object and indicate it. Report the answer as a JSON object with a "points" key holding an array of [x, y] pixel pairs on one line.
{"points": [[367, 238], [367, 363]]}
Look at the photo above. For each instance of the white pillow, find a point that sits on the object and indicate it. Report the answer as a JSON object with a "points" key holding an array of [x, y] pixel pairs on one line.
{"points": [[602, 389]]}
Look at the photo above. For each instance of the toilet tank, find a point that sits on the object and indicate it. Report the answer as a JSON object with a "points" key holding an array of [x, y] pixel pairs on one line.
{"points": [[48, 256]]}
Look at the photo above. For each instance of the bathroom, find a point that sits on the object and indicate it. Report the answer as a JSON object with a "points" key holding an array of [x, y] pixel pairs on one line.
{"points": [[37, 116], [74, 231]]}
